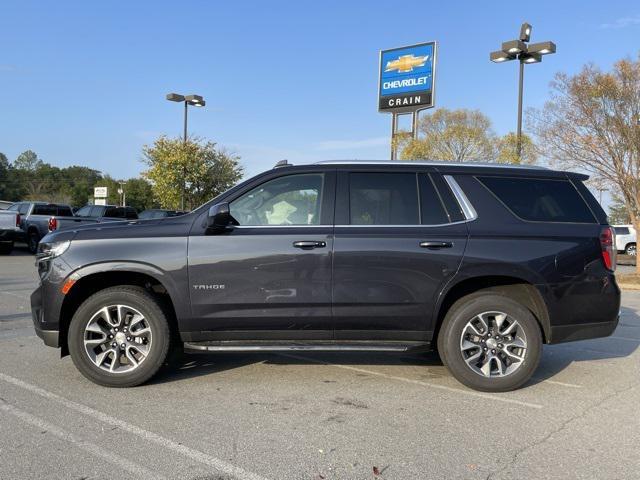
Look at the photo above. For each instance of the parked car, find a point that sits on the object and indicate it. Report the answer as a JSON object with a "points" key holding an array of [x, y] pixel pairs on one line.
{"points": [[90, 214], [9, 228], [486, 262], [625, 239], [34, 220], [159, 213]]}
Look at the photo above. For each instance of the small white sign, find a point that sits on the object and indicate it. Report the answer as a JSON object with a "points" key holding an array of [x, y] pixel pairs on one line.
{"points": [[100, 192], [100, 201]]}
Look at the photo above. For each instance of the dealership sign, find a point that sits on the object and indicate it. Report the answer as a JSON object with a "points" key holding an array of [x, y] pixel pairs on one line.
{"points": [[407, 78], [100, 192]]}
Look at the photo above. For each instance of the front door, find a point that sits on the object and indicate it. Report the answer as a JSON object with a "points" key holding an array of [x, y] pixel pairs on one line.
{"points": [[269, 277], [396, 246]]}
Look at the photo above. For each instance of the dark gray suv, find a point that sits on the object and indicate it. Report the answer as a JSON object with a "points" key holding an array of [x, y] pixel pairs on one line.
{"points": [[486, 263]]}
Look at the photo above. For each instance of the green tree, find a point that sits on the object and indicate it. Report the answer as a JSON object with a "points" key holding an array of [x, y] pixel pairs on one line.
{"points": [[205, 171], [77, 184], [139, 194], [451, 135], [27, 161], [618, 213], [507, 148]]}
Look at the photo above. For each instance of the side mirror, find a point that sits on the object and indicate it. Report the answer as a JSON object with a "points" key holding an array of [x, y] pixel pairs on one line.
{"points": [[219, 217]]}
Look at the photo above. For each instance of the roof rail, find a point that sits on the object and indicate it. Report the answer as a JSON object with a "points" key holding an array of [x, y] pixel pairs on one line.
{"points": [[282, 163]]}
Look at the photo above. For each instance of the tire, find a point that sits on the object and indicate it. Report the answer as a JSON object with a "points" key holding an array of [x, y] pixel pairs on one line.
{"points": [[630, 249], [458, 353], [101, 367], [33, 239], [6, 248]]}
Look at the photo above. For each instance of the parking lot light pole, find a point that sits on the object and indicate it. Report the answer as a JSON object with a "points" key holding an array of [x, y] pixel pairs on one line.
{"points": [[195, 101], [521, 50]]}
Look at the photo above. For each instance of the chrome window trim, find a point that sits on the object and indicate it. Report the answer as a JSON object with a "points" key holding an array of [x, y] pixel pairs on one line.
{"points": [[467, 209]]}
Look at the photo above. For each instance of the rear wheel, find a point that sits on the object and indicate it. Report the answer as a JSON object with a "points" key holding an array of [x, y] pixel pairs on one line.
{"points": [[631, 249], [490, 343], [32, 241], [119, 337]]}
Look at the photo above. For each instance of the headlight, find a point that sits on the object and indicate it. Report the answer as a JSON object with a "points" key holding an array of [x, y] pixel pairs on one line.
{"points": [[50, 250]]}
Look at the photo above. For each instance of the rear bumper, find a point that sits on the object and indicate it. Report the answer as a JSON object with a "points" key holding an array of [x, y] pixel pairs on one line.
{"points": [[582, 331], [8, 235]]}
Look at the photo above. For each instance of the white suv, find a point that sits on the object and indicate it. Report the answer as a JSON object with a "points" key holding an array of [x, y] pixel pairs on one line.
{"points": [[625, 239]]}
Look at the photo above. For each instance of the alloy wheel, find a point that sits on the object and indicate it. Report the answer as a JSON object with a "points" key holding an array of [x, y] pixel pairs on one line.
{"points": [[117, 338], [493, 344]]}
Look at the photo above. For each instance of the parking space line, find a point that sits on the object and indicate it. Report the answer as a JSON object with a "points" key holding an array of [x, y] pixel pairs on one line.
{"points": [[197, 455], [471, 393], [137, 470]]}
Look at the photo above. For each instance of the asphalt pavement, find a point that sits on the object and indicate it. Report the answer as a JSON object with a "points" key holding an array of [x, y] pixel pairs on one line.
{"points": [[315, 416]]}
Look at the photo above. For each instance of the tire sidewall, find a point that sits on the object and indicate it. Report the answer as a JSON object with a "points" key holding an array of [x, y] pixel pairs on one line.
{"points": [[142, 301], [32, 242], [456, 319]]}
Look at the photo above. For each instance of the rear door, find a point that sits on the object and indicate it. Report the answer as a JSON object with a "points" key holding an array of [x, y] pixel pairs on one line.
{"points": [[396, 245]]}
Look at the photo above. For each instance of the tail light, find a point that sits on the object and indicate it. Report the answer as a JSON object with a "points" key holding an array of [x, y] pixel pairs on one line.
{"points": [[608, 246], [18, 219], [53, 224]]}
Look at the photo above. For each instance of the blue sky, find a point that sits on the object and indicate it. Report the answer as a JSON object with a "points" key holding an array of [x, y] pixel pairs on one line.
{"points": [[84, 82]]}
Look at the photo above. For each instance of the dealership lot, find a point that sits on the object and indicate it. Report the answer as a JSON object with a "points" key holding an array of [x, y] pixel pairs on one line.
{"points": [[314, 416]]}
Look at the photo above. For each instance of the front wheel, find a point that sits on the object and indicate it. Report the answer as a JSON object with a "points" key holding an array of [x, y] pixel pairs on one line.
{"points": [[490, 342], [119, 337], [631, 249]]}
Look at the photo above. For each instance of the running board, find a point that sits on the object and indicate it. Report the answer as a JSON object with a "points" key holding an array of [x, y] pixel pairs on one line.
{"points": [[258, 346]]}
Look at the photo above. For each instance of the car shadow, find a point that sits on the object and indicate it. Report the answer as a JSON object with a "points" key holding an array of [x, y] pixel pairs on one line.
{"points": [[555, 358]]}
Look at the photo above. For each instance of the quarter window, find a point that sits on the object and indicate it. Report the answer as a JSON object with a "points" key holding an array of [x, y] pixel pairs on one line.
{"points": [[288, 200], [383, 199], [540, 200]]}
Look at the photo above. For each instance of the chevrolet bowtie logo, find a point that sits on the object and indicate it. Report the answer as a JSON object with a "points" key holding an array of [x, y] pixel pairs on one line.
{"points": [[406, 63]]}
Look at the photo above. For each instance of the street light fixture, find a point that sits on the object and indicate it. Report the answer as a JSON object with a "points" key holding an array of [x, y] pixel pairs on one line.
{"points": [[194, 101], [518, 49]]}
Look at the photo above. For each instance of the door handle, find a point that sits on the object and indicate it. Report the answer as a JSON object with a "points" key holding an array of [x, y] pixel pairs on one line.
{"points": [[309, 244], [436, 245]]}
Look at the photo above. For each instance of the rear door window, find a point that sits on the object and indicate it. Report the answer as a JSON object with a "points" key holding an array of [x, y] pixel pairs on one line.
{"points": [[23, 209], [383, 199], [64, 211], [84, 211], [540, 200], [622, 230], [44, 210], [432, 211]]}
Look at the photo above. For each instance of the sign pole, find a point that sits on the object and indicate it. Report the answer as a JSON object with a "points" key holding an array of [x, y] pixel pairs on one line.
{"points": [[414, 124], [394, 128]]}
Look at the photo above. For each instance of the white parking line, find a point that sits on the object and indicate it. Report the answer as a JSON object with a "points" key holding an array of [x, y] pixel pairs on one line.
{"points": [[216, 463], [418, 382], [134, 469]]}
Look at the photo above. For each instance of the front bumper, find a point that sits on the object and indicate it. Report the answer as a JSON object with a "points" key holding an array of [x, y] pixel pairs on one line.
{"points": [[50, 336]]}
